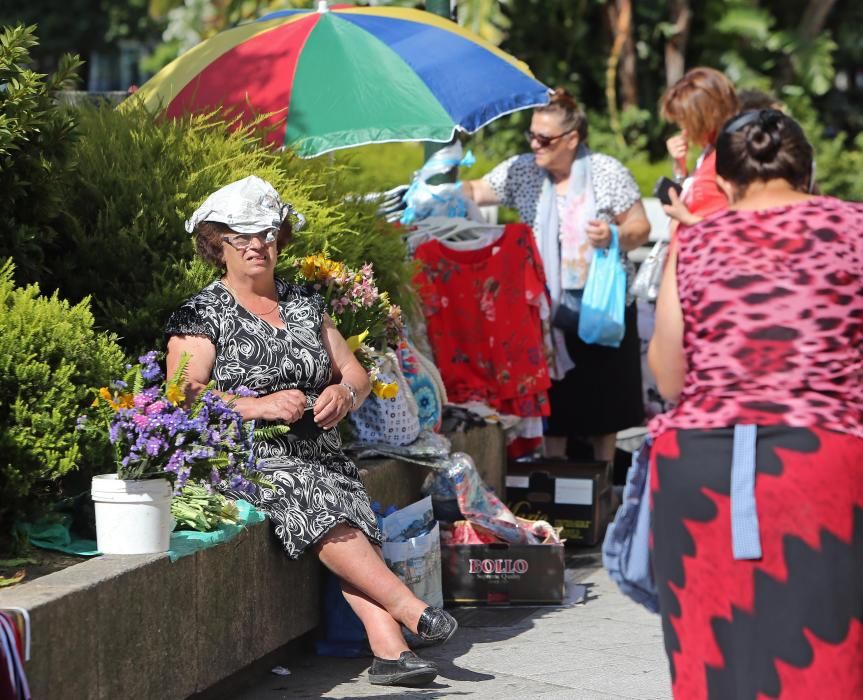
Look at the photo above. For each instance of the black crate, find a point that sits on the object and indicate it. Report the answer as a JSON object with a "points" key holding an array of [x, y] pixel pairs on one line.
{"points": [[576, 496]]}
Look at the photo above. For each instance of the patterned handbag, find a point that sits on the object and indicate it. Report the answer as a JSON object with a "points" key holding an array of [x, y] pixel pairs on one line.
{"points": [[425, 383], [626, 549], [392, 421]]}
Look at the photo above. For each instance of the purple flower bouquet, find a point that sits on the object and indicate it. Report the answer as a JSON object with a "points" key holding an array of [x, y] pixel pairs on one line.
{"points": [[155, 433]]}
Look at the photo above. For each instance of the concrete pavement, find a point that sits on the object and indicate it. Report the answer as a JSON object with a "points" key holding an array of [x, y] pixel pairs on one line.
{"points": [[598, 646]]}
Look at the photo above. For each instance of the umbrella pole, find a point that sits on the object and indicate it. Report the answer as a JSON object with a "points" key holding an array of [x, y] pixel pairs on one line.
{"points": [[449, 10]]}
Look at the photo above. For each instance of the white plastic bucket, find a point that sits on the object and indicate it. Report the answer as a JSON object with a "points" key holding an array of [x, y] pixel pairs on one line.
{"points": [[132, 516]]}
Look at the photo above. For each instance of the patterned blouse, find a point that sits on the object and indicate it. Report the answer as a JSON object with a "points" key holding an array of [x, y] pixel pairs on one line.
{"points": [[518, 181], [773, 318]]}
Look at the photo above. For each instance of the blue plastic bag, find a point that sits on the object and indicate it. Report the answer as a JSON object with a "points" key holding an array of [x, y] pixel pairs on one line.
{"points": [[603, 305], [626, 547]]}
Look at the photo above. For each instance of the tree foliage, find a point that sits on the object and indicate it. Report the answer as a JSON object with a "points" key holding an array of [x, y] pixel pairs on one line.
{"points": [[138, 178], [36, 151]]}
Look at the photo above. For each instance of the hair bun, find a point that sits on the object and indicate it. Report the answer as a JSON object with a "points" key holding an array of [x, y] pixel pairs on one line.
{"points": [[562, 97], [763, 138]]}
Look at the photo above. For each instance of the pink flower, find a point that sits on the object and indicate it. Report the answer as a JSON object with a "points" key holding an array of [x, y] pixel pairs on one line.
{"points": [[155, 408], [140, 420], [141, 400]]}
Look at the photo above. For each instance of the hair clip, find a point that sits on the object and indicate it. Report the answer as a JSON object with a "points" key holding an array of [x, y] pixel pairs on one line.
{"points": [[767, 118]]}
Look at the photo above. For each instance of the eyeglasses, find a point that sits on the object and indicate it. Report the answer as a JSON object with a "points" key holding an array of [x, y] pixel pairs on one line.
{"points": [[544, 141], [241, 241]]}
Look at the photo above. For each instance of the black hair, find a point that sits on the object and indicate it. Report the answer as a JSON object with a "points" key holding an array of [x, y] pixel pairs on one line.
{"points": [[761, 145]]}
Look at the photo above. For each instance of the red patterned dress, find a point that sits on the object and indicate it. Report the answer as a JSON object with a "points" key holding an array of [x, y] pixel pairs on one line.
{"points": [[773, 336], [482, 308]]}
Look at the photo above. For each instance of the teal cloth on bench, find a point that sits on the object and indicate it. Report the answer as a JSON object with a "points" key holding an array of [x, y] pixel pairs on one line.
{"points": [[186, 542], [56, 536]]}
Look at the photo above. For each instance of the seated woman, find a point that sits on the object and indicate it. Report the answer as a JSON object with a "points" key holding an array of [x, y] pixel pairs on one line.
{"points": [[250, 330]]}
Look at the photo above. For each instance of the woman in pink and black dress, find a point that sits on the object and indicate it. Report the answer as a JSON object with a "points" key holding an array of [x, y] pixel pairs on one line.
{"points": [[757, 474]]}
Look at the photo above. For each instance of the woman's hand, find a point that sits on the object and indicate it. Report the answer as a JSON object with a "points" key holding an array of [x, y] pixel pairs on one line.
{"points": [[332, 405], [677, 210], [678, 149], [598, 233], [284, 406]]}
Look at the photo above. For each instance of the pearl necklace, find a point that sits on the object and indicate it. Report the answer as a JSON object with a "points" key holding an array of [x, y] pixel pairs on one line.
{"points": [[237, 298]]}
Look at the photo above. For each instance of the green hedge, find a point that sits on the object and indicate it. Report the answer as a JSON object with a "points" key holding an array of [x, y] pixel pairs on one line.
{"points": [[139, 177], [50, 356], [36, 142]]}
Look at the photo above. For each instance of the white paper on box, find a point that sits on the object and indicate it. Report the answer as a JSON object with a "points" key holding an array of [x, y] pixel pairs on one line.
{"points": [[518, 482], [578, 492]]}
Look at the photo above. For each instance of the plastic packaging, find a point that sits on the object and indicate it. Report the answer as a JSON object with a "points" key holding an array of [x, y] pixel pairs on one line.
{"points": [[424, 200]]}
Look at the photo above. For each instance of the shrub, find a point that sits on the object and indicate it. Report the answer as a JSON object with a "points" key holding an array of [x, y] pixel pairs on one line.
{"points": [[36, 139], [49, 354], [138, 178]]}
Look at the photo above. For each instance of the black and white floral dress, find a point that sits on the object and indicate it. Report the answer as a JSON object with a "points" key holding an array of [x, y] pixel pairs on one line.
{"points": [[315, 486]]}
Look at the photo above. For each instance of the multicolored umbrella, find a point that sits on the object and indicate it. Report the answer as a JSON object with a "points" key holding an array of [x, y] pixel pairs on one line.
{"points": [[345, 76]]}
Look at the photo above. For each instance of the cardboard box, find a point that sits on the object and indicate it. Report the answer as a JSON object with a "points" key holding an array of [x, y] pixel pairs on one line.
{"points": [[500, 574], [576, 496]]}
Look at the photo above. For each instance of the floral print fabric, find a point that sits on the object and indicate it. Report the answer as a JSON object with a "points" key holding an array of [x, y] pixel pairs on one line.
{"points": [[482, 309]]}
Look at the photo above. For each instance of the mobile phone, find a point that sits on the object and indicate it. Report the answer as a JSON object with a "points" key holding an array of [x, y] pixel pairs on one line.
{"points": [[663, 186], [305, 428]]}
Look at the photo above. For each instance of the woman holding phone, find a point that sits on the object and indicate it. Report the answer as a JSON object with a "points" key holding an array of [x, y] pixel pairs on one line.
{"points": [[699, 103]]}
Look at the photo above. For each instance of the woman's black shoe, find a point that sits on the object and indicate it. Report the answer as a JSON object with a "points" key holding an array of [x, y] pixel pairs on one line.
{"points": [[408, 669], [436, 625]]}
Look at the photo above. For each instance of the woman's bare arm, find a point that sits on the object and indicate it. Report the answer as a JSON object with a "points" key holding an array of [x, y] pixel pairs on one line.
{"points": [[480, 192], [286, 406], [335, 401], [665, 353]]}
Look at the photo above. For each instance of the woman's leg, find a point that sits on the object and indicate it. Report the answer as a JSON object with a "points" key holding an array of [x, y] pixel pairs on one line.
{"points": [[346, 552], [554, 446], [385, 634], [604, 446]]}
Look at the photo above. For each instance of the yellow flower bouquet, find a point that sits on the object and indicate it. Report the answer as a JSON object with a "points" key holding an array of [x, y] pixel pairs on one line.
{"points": [[363, 314]]}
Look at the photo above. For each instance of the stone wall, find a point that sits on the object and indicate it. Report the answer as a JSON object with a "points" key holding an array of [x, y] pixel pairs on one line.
{"points": [[144, 627]]}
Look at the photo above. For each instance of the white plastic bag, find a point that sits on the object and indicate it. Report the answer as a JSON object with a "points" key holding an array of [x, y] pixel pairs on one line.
{"points": [[415, 558]]}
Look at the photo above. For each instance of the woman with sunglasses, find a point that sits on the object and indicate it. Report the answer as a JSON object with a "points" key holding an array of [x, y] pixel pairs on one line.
{"points": [[571, 196], [251, 333], [757, 472]]}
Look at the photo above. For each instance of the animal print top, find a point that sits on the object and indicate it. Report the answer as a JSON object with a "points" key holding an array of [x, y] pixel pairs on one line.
{"points": [[773, 318]]}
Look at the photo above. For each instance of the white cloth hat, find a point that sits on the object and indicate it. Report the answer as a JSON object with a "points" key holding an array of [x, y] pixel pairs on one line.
{"points": [[249, 205]]}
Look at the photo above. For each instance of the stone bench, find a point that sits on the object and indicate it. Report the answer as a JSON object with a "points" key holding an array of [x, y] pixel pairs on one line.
{"points": [[144, 627]]}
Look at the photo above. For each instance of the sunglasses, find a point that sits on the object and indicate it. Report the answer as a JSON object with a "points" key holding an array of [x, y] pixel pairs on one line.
{"points": [[241, 241], [544, 141]]}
